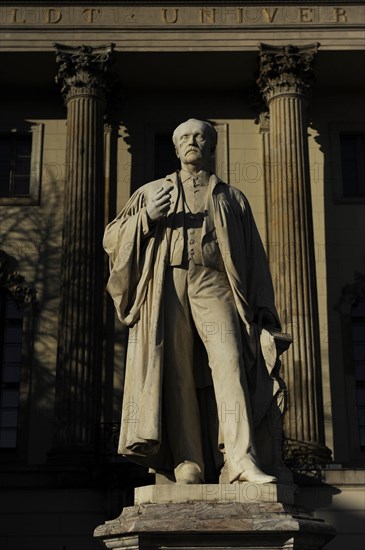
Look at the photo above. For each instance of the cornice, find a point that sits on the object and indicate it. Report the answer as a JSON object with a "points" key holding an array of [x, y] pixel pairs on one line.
{"points": [[237, 3]]}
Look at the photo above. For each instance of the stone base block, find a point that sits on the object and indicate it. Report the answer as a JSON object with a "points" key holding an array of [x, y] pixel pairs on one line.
{"points": [[224, 492], [214, 526]]}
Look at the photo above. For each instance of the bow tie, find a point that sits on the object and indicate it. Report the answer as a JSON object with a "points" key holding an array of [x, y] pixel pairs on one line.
{"points": [[196, 181]]}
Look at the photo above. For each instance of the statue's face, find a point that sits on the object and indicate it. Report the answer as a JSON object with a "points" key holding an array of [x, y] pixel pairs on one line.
{"points": [[193, 144]]}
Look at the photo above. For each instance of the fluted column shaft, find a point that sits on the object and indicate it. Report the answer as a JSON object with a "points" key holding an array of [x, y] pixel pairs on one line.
{"points": [[83, 74], [285, 80]]}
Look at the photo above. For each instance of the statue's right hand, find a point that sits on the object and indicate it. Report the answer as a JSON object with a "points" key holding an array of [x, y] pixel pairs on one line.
{"points": [[159, 204]]}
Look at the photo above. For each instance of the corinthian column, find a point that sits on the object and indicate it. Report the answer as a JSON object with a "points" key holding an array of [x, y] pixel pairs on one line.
{"points": [[285, 81], [84, 75]]}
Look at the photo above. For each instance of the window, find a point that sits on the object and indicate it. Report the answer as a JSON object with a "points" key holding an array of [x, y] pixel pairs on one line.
{"points": [[351, 307], [166, 160], [347, 161], [358, 349], [15, 165], [353, 164], [11, 323], [20, 165]]}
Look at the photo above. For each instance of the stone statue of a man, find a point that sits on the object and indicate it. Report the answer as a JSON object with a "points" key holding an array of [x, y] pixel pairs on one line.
{"points": [[189, 276]]}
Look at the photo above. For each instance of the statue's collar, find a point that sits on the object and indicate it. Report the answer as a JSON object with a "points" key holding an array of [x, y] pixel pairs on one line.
{"points": [[174, 179]]}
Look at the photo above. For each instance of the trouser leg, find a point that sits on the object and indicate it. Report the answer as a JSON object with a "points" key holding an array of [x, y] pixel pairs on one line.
{"points": [[180, 400], [216, 319]]}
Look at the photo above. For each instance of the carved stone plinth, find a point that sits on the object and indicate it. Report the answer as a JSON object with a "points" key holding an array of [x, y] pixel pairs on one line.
{"points": [[214, 526], [223, 492], [224, 520]]}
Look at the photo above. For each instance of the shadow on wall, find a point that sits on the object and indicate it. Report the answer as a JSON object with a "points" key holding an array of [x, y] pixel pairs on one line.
{"points": [[344, 226], [340, 507], [340, 503], [31, 236]]}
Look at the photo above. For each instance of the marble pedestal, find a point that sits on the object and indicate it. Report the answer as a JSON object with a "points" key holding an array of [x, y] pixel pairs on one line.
{"points": [[189, 517]]}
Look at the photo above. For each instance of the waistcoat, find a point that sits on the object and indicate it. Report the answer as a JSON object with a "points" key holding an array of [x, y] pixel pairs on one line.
{"points": [[186, 241]]}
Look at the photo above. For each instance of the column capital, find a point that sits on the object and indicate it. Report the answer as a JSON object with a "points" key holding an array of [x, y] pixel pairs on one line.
{"points": [[84, 70], [286, 70]]}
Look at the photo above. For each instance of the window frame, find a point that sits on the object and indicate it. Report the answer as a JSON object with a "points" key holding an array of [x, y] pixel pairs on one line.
{"points": [[336, 130], [358, 320], [25, 295], [351, 295], [9, 322], [37, 131]]}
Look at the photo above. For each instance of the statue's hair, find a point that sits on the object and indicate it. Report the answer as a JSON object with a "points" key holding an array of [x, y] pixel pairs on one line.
{"points": [[212, 132]]}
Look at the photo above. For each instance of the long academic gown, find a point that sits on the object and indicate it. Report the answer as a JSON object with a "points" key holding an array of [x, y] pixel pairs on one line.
{"points": [[138, 259]]}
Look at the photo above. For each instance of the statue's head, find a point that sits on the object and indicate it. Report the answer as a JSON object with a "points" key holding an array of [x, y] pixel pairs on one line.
{"points": [[195, 142]]}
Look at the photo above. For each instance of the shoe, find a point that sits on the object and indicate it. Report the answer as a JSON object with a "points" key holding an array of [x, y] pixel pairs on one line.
{"points": [[188, 473], [253, 474]]}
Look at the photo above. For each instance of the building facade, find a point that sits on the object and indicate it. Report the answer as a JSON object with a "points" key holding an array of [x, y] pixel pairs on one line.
{"points": [[91, 93]]}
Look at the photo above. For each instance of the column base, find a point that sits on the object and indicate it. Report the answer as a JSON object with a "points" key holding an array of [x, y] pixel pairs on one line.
{"points": [[303, 456], [221, 519]]}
